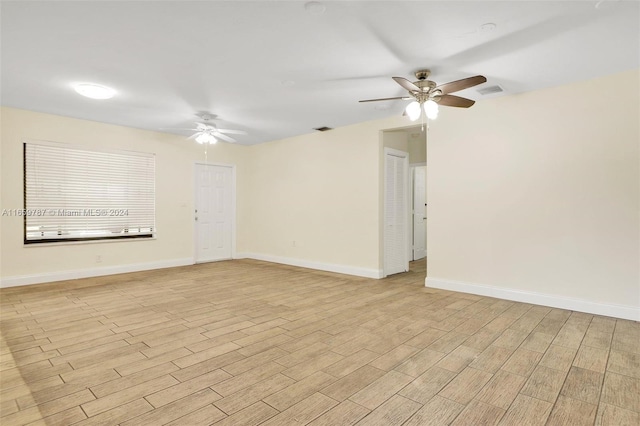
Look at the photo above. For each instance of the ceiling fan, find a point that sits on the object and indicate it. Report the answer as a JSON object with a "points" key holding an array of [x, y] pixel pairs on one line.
{"points": [[427, 95], [208, 133]]}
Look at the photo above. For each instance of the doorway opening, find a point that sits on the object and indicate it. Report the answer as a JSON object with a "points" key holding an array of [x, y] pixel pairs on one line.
{"points": [[411, 141]]}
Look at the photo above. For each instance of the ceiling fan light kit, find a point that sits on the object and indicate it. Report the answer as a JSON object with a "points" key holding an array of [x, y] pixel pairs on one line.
{"points": [[431, 109], [427, 95], [206, 138], [413, 110]]}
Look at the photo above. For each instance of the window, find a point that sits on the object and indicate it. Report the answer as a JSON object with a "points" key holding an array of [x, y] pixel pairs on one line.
{"points": [[78, 194]]}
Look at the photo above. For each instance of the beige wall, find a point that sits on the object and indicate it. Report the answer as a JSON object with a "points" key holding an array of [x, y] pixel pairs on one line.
{"points": [[175, 158], [539, 192], [396, 139], [410, 140], [320, 190], [417, 141]]}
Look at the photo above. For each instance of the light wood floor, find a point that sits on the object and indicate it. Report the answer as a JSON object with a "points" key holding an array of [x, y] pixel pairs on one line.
{"points": [[248, 343]]}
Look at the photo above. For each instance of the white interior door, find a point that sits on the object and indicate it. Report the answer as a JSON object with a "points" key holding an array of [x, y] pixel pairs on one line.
{"points": [[419, 212], [396, 212], [214, 212]]}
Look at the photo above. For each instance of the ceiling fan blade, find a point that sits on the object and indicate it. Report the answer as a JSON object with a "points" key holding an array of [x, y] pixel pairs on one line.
{"points": [[223, 137], [406, 84], [195, 135], [175, 128], [386, 99], [465, 83], [203, 126], [455, 101], [232, 132]]}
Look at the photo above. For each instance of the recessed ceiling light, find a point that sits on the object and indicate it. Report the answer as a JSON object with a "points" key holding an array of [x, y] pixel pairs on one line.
{"points": [[94, 91], [315, 7]]}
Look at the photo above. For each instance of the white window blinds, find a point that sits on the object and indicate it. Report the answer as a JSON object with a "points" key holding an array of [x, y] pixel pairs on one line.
{"points": [[74, 194]]}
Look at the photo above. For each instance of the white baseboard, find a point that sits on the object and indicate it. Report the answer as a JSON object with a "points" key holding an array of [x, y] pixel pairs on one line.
{"points": [[329, 267], [93, 272], [554, 301]]}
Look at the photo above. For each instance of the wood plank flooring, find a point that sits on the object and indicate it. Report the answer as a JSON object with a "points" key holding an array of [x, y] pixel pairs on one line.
{"points": [[247, 343]]}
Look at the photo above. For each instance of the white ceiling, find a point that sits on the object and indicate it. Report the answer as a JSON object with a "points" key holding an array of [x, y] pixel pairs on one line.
{"points": [[275, 69]]}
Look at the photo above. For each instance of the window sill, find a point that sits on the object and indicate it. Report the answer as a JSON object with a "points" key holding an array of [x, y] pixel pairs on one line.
{"points": [[70, 243]]}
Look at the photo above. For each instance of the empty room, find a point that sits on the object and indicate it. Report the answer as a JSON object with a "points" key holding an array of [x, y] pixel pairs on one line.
{"points": [[320, 212]]}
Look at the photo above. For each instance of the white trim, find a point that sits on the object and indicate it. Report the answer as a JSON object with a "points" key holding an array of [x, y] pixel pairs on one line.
{"points": [[320, 266], [94, 272], [71, 243], [617, 311], [233, 206]]}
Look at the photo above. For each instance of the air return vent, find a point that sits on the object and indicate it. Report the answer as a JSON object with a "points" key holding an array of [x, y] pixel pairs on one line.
{"points": [[323, 129], [490, 90]]}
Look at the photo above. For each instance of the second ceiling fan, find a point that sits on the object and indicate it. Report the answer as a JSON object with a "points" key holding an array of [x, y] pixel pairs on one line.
{"points": [[208, 133], [427, 95]]}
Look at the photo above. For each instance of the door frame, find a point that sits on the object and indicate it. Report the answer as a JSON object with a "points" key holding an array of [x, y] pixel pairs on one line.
{"points": [[412, 167], [233, 206], [407, 207]]}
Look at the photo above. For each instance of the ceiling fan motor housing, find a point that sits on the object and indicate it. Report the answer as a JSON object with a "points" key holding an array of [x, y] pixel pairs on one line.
{"points": [[426, 86], [206, 116]]}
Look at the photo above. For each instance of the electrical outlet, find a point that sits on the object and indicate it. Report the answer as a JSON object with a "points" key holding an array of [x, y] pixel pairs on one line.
{"points": [[293, 243], [99, 258]]}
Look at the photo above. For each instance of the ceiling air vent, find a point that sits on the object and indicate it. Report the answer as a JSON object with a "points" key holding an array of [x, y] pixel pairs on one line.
{"points": [[323, 129], [490, 90]]}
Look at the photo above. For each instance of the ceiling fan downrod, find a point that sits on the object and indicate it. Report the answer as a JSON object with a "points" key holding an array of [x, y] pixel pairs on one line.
{"points": [[422, 74]]}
